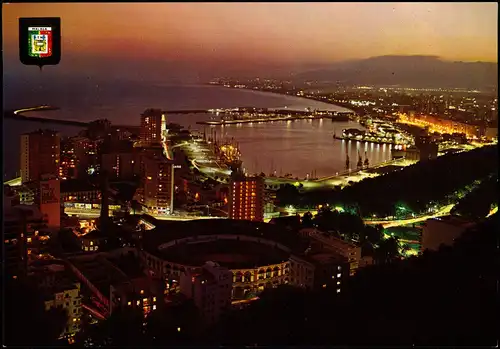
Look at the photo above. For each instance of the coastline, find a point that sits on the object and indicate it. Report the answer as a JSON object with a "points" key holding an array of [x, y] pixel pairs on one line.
{"points": [[19, 114], [348, 109]]}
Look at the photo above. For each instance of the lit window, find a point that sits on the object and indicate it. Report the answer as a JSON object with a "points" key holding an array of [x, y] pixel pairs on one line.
{"points": [[338, 290], [138, 302], [129, 303], [338, 282], [154, 307], [339, 267], [339, 275], [154, 299], [142, 291], [91, 243]]}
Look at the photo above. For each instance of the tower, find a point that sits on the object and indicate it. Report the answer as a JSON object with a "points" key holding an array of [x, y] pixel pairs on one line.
{"points": [[40, 153], [152, 123]]}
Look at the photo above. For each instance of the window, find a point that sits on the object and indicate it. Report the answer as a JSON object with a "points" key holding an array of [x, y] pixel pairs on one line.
{"points": [[339, 275], [338, 290]]}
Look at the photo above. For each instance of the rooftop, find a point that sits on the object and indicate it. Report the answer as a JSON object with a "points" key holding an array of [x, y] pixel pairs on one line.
{"points": [[171, 230], [75, 185]]}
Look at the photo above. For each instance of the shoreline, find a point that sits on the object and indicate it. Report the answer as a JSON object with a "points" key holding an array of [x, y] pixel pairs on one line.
{"points": [[347, 109], [19, 113]]}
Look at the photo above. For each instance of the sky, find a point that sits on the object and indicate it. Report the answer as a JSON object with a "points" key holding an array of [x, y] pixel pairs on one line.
{"points": [[199, 38]]}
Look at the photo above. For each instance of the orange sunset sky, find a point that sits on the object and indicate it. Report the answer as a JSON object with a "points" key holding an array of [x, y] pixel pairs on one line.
{"points": [[245, 34]]}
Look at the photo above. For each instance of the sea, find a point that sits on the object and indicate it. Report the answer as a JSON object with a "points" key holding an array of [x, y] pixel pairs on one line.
{"points": [[300, 148]]}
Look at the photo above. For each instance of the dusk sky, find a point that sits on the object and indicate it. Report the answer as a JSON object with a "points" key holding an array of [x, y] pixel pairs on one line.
{"points": [[246, 35]]}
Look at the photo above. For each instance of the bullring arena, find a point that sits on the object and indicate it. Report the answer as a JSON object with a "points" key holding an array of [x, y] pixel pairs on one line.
{"points": [[259, 255]]}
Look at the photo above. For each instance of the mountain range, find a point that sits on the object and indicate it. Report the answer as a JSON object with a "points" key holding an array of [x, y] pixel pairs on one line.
{"points": [[407, 71]]}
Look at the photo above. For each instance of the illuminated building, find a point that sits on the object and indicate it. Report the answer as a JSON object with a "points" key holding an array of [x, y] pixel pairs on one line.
{"points": [[69, 160], [62, 293], [491, 133], [246, 198], [443, 230], [81, 191], [50, 200], [256, 263], [15, 251], [210, 289], [157, 192], [343, 248], [40, 151], [153, 127], [21, 233], [91, 242], [121, 160], [143, 292], [78, 154]]}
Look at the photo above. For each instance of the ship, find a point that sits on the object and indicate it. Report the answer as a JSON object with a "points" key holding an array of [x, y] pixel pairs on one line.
{"points": [[228, 152]]}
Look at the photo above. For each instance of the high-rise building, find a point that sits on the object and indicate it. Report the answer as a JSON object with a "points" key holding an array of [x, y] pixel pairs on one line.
{"points": [[40, 152], [120, 160], [157, 193], [19, 222], [50, 200], [246, 198], [210, 289], [153, 127], [78, 155]]}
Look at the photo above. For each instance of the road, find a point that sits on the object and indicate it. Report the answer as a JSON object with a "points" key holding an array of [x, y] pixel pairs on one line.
{"points": [[444, 211]]}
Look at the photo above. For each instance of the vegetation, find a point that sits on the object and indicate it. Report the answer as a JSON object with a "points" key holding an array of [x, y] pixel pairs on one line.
{"points": [[478, 203], [417, 187], [173, 325], [440, 298]]}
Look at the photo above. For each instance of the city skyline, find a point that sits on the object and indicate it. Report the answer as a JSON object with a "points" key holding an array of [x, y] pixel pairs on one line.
{"points": [[261, 37]]}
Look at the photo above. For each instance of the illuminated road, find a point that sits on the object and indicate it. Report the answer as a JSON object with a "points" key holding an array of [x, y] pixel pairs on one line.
{"points": [[396, 223], [493, 211], [13, 182]]}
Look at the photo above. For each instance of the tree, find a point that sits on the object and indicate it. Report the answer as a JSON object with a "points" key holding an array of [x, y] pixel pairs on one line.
{"points": [[387, 251], [287, 195], [173, 325], [307, 220]]}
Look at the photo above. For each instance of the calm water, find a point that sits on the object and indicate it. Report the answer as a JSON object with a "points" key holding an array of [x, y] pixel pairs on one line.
{"points": [[297, 147]]}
